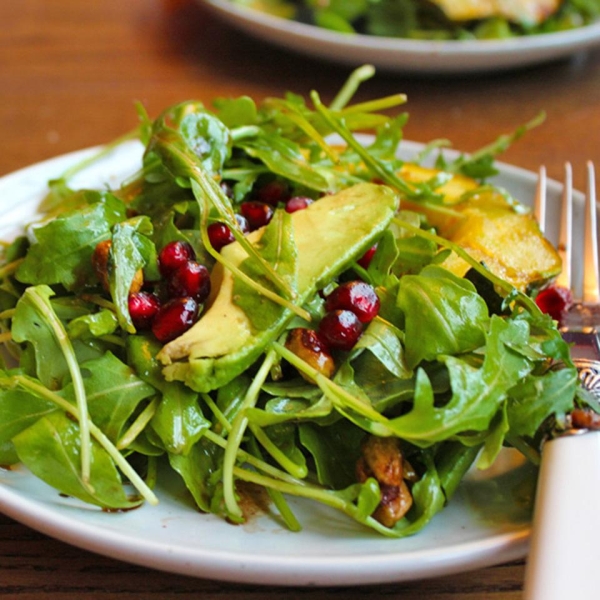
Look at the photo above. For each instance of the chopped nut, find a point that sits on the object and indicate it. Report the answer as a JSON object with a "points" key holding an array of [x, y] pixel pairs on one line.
{"points": [[585, 419], [306, 344], [102, 266], [382, 459]]}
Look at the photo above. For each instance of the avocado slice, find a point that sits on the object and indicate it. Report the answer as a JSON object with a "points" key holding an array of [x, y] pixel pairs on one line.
{"points": [[329, 235]]}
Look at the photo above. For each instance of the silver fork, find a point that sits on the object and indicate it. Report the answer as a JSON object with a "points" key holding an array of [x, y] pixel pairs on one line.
{"points": [[562, 562]]}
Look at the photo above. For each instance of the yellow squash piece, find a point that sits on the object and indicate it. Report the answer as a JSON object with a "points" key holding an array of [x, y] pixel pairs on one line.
{"points": [[503, 236], [530, 12]]}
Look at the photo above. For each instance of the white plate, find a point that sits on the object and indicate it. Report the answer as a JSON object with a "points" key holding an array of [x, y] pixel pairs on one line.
{"points": [[487, 521], [404, 55]]}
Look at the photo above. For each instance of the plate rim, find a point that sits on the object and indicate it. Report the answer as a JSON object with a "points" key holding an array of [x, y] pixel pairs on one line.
{"points": [[427, 55]]}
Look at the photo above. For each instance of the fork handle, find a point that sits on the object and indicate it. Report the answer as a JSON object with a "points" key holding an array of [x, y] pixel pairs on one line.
{"points": [[563, 556]]}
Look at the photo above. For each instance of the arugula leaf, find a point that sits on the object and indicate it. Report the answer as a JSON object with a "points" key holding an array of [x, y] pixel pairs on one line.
{"points": [[113, 393], [443, 315], [61, 250], [18, 410], [178, 420], [128, 254], [50, 449]]}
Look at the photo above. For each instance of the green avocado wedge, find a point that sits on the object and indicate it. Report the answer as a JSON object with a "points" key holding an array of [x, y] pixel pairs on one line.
{"points": [[328, 235]]}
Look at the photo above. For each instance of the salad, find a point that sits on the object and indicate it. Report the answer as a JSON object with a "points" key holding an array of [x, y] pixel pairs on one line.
{"points": [[266, 305], [435, 19]]}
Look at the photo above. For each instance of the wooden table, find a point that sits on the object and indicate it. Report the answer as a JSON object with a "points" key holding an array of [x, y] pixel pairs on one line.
{"points": [[70, 73]]}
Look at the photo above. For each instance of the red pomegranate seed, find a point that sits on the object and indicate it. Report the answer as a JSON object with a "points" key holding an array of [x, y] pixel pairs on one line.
{"points": [[174, 318], [555, 301], [220, 234], [258, 214], [365, 260], [297, 203], [356, 296], [273, 193], [143, 307], [173, 255], [341, 329], [190, 279]]}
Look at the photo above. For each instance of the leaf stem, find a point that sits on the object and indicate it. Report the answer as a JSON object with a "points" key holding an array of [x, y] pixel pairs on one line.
{"points": [[290, 466], [217, 412], [234, 440], [357, 77], [138, 425], [338, 395], [127, 470], [44, 308]]}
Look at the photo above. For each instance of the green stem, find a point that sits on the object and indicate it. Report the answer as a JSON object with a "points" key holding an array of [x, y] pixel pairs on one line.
{"points": [[64, 342], [221, 418], [10, 268], [375, 105], [327, 497], [234, 440], [124, 466], [290, 466], [138, 425], [338, 395], [278, 499], [357, 77], [377, 168], [257, 463]]}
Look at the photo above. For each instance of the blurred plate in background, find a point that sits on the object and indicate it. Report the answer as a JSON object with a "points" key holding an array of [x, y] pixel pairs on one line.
{"points": [[407, 55]]}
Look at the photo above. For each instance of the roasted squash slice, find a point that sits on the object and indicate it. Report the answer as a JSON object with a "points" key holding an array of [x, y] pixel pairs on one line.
{"points": [[502, 235]]}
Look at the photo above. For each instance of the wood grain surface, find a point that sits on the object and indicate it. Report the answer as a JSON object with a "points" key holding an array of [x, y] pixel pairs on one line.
{"points": [[70, 74]]}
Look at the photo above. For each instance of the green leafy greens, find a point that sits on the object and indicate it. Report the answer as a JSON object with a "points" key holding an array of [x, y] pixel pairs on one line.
{"points": [[88, 409]]}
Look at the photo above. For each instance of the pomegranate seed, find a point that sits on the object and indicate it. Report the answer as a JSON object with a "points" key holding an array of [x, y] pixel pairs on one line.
{"points": [[173, 255], [174, 318], [555, 301], [273, 193], [220, 235], [258, 214], [341, 329], [190, 279], [365, 260], [356, 296], [297, 203], [143, 307]]}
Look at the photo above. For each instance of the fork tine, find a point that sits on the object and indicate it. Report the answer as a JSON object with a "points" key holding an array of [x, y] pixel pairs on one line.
{"points": [[565, 244], [591, 285], [539, 206]]}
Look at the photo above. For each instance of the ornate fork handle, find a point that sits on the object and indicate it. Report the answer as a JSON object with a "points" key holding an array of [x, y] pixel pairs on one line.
{"points": [[589, 374]]}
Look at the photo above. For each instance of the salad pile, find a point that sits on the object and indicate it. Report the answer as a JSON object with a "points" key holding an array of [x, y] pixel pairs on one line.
{"points": [[435, 19], [260, 305]]}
